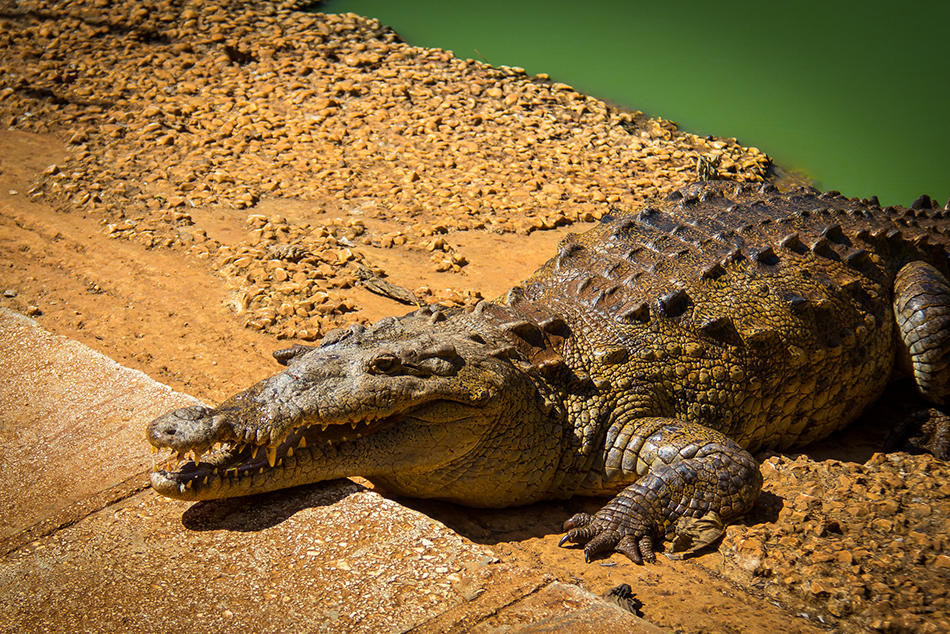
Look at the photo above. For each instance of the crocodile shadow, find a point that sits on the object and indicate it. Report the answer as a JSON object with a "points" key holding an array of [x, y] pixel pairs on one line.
{"points": [[254, 513]]}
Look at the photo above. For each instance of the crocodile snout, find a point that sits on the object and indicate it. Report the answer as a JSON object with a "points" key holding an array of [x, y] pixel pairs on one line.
{"points": [[183, 428]]}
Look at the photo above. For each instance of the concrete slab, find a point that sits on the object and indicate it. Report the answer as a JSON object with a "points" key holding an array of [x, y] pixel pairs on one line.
{"points": [[556, 607], [337, 559], [561, 607], [332, 557], [71, 422]]}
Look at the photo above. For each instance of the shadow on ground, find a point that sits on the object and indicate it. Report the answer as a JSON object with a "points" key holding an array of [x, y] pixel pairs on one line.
{"points": [[254, 513]]}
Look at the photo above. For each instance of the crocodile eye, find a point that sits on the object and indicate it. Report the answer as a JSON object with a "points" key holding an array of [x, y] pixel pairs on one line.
{"points": [[385, 364]]}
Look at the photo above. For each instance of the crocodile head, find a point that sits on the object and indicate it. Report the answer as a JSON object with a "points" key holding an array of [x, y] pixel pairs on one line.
{"points": [[418, 404]]}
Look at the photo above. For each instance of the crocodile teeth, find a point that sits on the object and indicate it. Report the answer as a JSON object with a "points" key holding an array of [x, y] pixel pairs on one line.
{"points": [[271, 455], [302, 443], [354, 424], [256, 449], [189, 484], [290, 451], [197, 455], [205, 480]]}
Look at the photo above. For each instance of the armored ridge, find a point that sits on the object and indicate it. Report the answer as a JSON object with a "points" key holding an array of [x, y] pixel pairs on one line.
{"points": [[647, 358], [760, 286]]}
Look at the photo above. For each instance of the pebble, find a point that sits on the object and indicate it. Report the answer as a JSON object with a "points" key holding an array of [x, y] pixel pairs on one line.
{"points": [[830, 559]]}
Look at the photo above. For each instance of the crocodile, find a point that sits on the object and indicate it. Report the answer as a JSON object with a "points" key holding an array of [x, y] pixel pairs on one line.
{"points": [[646, 362]]}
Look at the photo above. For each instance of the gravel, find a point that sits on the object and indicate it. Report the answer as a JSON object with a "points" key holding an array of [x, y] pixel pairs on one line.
{"points": [[171, 106], [855, 545]]}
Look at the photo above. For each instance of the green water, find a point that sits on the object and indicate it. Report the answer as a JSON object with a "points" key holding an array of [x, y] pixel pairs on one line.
{"points": [[855, 95]]}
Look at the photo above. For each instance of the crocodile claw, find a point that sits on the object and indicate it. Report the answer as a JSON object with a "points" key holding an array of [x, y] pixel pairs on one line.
{"points": [[602, 534]]}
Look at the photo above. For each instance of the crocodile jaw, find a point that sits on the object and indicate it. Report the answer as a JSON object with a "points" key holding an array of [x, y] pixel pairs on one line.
{"points": [[317, 452]]}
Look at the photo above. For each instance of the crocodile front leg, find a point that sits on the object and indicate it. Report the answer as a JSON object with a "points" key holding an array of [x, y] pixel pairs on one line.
{"points": [[690, 471]]}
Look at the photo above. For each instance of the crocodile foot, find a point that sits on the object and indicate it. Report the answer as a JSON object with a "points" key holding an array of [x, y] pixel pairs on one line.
{"points": [[694, 472], [923, 431]]}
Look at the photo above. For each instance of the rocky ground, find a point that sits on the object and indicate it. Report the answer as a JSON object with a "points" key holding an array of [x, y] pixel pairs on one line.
{"points": [[183, 184]]}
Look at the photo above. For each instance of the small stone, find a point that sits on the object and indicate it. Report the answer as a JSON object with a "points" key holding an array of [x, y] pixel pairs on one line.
{"points": [[882, 525], [889, 507], [839, 607], [820, 588], [919, 509], [77, 138]]}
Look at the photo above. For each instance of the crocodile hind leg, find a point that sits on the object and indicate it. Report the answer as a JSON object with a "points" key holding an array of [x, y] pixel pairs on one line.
{"points": [[922, 311], [690, 470]]}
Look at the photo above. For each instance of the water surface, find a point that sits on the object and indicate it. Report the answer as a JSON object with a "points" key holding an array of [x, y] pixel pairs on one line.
{"points": [[855, 95]]}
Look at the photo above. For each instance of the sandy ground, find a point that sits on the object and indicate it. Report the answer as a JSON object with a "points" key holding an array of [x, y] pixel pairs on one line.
{"points": [[187, 187]]}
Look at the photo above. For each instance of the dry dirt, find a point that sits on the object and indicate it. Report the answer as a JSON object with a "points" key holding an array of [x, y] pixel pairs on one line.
{"points": [[187, 187]]}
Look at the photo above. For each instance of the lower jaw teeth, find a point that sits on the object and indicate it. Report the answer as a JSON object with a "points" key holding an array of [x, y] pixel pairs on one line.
{"points": [[177, 461]]}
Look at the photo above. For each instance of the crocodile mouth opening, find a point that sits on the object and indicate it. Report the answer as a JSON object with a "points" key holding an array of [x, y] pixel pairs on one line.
{"points": [[191, 470]]}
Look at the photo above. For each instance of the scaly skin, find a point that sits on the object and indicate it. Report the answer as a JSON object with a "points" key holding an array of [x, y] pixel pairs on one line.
{"points": [[645, 362]]}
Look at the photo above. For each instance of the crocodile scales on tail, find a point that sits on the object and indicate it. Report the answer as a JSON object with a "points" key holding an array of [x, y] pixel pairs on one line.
{"points": [[645, 361]]}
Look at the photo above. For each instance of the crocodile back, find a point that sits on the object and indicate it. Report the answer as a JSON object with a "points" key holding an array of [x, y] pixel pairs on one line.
{"points": [[767, 316]]}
